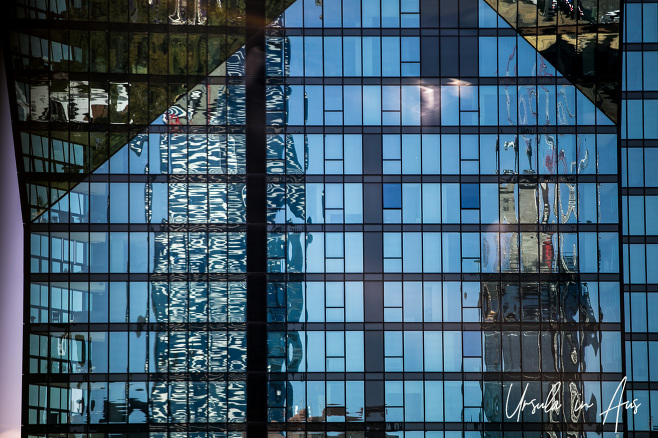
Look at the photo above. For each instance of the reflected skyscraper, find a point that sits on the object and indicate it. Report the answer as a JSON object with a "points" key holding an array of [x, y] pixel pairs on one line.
{"points": [[334, 219]]}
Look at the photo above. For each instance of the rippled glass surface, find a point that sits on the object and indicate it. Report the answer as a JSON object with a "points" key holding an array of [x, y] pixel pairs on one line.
{"points": [[443, 214], [137, 273], [77, 82], [579, 37]]}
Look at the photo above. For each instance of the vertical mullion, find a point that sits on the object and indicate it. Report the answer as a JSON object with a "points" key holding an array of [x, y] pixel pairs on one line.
{"points": [[256, 220]]}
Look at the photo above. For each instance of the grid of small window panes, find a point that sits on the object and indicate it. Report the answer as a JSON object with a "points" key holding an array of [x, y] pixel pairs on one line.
{"points": [[131, 121], [89, 75], [442, 221], [443, 226], [639, 193], [581, 37]]}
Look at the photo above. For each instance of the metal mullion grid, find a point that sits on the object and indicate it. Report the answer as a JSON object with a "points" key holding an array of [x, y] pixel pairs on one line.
{"points": [[284, 133], [415, 80], [516, 233], [208, 284], [622, 149], [422, 282], [402, 336]]}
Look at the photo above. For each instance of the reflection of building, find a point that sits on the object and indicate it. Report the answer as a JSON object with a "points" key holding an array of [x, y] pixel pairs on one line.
{"points": [[590, 59], [185, 315], [433, 194], [535, 327]]}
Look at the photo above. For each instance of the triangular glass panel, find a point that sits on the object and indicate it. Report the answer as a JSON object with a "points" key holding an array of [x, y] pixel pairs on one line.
{"points": [[82, 95], [579, 37]]}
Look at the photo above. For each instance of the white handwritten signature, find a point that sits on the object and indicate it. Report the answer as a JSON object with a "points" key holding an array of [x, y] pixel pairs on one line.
{"points": [[552, 403]]}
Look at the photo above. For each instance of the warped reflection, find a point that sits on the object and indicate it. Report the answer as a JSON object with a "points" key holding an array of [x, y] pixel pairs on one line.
{"points": [[163, 311], [579, 37]]}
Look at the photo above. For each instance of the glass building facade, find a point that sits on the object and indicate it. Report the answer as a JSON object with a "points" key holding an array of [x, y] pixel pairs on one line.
{"points": [[639, 138], [356, 218]]}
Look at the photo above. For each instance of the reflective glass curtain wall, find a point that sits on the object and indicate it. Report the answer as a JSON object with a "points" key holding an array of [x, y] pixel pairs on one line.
{"points": [[639, 157], [131, 124], [443, 227], [441, 206]]}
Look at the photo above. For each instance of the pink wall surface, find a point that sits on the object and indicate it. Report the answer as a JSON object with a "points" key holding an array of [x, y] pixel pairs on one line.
{"points": [[11, 275]]}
